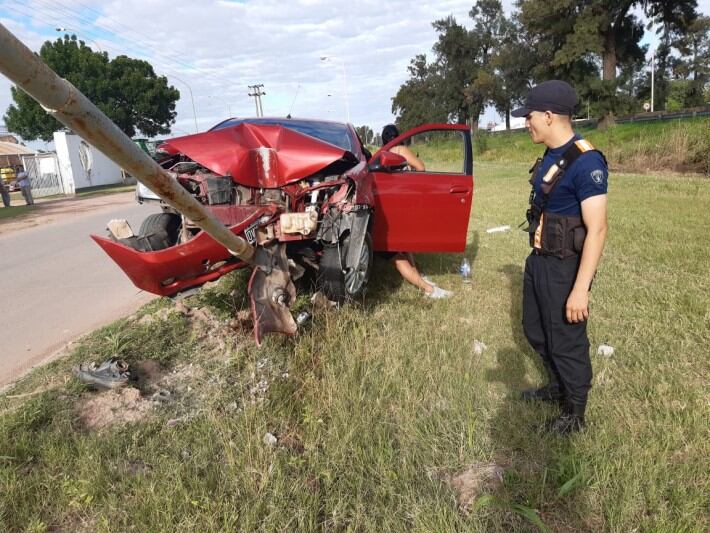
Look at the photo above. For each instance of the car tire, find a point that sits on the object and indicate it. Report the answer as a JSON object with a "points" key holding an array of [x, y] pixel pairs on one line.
{"points": [[166, 225], [337, 284]]}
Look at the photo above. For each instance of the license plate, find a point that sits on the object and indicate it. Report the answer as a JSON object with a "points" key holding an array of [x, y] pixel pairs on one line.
{"points": [[250, 232]]}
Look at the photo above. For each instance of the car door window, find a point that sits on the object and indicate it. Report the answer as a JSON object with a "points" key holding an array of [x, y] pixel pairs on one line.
{"points": [[441, 151]]}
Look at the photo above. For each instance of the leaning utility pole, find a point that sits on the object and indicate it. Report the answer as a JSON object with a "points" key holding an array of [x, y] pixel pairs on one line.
{"points": [[63, 101], [257, 94]]}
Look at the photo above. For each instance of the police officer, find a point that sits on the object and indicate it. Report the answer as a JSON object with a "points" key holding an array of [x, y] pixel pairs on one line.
{"points": [[568, 225]]}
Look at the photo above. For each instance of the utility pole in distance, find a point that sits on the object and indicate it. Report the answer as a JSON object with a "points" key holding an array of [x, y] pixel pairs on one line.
{"points": [[257, 93]]}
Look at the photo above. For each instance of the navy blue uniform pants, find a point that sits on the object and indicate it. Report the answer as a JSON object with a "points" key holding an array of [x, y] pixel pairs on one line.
{"points": [[564, 347]]}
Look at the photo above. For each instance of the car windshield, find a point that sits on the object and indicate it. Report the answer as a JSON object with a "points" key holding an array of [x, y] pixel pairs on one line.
{"points": [[330, 132]]}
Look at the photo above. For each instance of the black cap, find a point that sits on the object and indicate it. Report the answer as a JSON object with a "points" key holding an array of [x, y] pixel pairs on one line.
{"points": [[556, 96]]}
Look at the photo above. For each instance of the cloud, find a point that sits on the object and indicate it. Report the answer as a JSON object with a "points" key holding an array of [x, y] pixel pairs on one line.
{"points": [[220, 47]]}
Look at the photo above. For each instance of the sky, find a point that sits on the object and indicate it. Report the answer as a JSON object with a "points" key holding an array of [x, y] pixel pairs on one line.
{"points": [[216, 48]]}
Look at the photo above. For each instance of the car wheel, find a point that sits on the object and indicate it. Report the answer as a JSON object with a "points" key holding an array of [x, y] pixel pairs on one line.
{"points": [[337, 283], [165, 225]]}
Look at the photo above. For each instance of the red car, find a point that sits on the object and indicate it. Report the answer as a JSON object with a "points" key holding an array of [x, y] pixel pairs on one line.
{"points": [[309, 196]]}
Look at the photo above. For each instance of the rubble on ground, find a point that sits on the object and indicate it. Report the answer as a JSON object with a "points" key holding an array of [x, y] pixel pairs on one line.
{"points": [[475, 481]]}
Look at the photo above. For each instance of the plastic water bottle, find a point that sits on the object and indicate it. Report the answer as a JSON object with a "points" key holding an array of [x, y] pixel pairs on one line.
{"points": [[465, 270], [302, 318]]}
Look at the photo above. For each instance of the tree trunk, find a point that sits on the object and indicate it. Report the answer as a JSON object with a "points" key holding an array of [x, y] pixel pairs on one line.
{"points": [[609, 56], [507, 118], [607, 121]]}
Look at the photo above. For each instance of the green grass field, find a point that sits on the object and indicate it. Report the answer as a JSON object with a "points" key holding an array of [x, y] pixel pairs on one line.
{"points": [[374, 404], [675, 145]]}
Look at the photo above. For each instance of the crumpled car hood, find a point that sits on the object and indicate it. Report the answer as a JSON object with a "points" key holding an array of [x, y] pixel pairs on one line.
{"points": [[263, 156]]}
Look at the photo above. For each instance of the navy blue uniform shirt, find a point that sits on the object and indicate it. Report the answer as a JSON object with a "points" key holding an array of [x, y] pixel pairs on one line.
{"points": [[586, 177]]}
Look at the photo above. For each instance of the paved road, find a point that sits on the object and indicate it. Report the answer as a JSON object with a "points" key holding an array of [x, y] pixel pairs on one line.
{"points": [[57, 284]]}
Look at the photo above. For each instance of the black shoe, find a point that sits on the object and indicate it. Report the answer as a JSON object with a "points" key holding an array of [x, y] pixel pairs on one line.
{"points": [[548, 393], [571, 420]]}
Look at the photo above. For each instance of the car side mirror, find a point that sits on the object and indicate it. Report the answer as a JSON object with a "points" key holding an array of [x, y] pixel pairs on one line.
{"points": [[387, 162]]}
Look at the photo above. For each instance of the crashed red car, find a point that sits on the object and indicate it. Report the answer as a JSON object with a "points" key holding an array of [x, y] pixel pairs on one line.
{"points": [[308, 195]]}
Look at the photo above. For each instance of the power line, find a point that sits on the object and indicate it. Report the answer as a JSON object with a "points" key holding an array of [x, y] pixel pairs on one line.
{"points": [[64, 10], [166, 60], [110, 47]]}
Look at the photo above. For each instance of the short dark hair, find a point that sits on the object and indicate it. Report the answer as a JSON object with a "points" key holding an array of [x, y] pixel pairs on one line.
{"points": [[389, 132]]}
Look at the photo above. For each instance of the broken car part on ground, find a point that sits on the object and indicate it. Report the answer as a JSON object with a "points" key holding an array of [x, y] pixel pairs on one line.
{"points": [[282, 196]]}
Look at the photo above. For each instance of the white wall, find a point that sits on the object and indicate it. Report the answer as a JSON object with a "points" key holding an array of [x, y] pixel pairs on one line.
{"points": [[102, 171]]}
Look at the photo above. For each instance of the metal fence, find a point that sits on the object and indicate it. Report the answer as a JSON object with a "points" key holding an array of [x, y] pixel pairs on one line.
{"points": [[43, 171]]}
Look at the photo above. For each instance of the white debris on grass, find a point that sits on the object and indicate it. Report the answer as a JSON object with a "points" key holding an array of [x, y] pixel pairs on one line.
{"points": [[498, 229], [478, 347], [605, 350], [269, 439]]}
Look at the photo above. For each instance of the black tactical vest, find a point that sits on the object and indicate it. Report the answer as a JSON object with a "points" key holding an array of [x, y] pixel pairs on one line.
{"points": [[552, 234]]}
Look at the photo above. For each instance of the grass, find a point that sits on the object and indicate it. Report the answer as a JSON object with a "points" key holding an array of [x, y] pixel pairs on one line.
{"points": [[104, 189], [372, 403], [677, 145], [15, 197], [14, 211]]}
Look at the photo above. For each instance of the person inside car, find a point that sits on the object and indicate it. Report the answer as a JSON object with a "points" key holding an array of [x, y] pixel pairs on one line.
{"points": [[404, 261]]}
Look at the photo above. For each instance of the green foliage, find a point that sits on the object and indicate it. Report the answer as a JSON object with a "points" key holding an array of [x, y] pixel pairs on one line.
{"points": [[694, 44], [499, 58], [677, 145], [678, 94], [127, 90], [366, 134], [457, 85], [419, 100]]}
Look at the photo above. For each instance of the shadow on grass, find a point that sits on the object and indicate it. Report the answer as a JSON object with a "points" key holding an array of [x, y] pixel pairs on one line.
{"points": [[535, 461]]}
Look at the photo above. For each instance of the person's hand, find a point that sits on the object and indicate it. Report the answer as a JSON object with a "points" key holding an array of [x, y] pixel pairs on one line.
{"points": [[577, 308]]}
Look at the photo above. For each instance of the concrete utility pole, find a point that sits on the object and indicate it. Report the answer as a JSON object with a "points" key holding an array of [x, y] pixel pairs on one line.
{"points": [[257, 93], [64, 102]]}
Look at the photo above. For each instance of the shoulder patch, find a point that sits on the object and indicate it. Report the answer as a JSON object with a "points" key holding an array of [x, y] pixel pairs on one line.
{"points": [[584, 145], [597, 176]]}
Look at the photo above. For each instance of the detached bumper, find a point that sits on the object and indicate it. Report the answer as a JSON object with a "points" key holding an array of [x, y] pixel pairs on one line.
{"points": [[175, 269]]}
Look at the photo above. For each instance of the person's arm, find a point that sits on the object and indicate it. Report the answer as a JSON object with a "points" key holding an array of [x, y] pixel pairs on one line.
{"points": [[594, 217], [412, 160]]}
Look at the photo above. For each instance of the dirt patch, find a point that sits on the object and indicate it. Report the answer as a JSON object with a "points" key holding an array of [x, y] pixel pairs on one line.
{"points": [[99, 410], [477, 479]]}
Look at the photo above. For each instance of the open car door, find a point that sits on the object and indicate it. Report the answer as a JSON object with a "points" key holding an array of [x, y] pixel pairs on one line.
{"points": [[424, 211]]}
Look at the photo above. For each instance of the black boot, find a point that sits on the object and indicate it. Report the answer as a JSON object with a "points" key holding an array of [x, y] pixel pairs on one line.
{"points": [[552, 392], [570, 420]]}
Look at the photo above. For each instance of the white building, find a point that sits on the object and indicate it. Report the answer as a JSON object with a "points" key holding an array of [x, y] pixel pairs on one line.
{"points": [[81, 165]]}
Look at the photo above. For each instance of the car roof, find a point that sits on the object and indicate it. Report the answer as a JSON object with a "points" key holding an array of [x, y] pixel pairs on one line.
{"points": [[271, 120]]}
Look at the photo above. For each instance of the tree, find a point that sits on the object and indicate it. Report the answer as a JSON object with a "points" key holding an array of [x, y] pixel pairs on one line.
{"points": [[695, 63], [419, 99], [606, 28], [507, 79], [127, 90], [365, 133], [578, 37], [457, 85]]}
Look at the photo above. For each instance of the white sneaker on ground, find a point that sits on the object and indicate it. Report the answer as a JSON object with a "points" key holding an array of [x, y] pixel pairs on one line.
{"points": [[430, 282], [438, 293]]}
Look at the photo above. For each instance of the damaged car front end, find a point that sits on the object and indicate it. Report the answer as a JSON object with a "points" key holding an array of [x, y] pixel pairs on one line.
{"points": [[297, 190], [278, 195]]}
